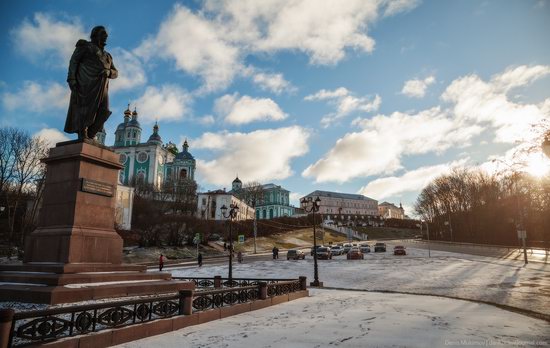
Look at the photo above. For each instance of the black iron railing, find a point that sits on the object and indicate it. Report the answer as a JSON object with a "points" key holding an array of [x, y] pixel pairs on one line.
{"points": [[52, 324], [224, 297], [34, 327], [284, 287], [219, 282]]}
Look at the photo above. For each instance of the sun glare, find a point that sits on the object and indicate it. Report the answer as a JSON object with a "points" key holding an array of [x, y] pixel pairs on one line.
{"points": [[538, 166]]}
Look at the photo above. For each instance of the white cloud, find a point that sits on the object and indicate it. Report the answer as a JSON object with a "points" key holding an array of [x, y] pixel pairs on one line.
{"points": [[197, 45], [294, 198], [396, 6], [239, 153], [51, 136], [275, 83], [130, 71], [247, 109], [167, 103], [417, 88], [213, 42], [486, 103], [345, 103], [44, 36], [206, 120], [518, 76], [411, 181], [37, 97], [384, 140], [475, 106]]}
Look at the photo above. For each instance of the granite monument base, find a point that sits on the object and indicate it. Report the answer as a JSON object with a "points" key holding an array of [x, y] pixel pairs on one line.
{"points": [[75, 254]]}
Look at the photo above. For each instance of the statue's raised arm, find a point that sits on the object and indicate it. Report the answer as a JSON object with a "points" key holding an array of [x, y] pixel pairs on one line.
{"points": [[90, 69]]}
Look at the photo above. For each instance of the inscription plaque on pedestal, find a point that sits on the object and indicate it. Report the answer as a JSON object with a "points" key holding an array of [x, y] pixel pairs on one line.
{"points": [[96, 187]]}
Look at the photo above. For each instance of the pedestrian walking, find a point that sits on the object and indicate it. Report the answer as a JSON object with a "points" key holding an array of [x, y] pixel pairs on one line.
{"points": [[274, 251], [240, 257], [161, 262], [199, 259], [224, 246]]}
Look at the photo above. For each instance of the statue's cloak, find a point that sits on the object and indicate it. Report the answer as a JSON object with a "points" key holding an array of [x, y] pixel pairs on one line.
{"points": [[90, 99]]}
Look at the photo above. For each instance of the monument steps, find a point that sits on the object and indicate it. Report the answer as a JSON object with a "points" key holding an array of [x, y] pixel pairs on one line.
{"points": [[63, 294], [53, 279]]}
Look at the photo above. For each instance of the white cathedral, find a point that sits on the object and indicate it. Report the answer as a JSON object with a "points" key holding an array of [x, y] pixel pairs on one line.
{"points": [[152, 161]]}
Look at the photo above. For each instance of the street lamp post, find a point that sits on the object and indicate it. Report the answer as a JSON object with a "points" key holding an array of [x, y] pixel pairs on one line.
{"points": [[232, 214], [428, 232], [311, 205]]}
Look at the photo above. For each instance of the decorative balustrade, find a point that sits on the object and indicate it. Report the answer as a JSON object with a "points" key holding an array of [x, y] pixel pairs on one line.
{"points": [[51, 324], [224, 297], [219, 282]]}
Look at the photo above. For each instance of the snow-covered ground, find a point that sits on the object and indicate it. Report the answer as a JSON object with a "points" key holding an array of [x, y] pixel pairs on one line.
{"points": [[339, 317], [361, 319], [449, 274]]}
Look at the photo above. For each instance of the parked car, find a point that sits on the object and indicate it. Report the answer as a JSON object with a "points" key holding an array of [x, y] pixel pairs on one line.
{"points": [[324, 253], [318, 246], [365, 248], [337, 250], [295, 254], [380, 247], [355, 254], [347, 247], [399, 250]]}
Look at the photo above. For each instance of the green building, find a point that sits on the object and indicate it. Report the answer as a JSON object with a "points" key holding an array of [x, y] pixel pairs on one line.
{"points": [[276, 203], [151, 161]]}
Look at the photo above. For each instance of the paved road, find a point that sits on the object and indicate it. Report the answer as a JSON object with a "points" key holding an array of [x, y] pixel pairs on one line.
{"points": [[219, 261], [533, 255]]}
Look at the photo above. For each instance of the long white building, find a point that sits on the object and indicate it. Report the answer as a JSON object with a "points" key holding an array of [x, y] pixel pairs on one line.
{"points": [[347, 206]]}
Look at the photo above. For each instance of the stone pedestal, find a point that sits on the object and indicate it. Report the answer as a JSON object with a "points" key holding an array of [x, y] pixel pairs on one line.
{"points": [[75, 226], [75, 250]]}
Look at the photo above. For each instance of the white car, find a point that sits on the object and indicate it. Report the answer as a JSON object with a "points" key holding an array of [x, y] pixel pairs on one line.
{"points": [[347, 247], [337, 250]]}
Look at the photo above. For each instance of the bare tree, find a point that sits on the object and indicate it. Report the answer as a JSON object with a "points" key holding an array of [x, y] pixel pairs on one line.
{"points": [[21, 178]]}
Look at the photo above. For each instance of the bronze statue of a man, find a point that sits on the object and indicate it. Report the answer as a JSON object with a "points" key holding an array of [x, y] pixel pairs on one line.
{"points": [[90, 69]]}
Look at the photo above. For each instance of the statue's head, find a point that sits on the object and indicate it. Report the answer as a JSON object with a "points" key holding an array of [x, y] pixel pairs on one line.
{"points": [[99, 36]]}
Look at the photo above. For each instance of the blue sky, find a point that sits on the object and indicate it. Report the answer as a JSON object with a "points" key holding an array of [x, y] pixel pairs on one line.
{"points": [[372, 97]]}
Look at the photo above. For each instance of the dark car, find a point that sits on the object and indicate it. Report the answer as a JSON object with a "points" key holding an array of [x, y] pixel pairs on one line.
{"points": [[324, 253], [379, 247], [295, 254], [355, 254], [399, 250]]}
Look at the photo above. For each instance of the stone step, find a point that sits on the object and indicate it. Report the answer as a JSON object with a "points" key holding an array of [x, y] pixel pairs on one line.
{"points": [[66, 294], [72, 267], [78, 278]]}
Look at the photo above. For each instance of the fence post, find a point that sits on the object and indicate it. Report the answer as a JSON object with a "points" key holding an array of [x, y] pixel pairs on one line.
{"points": [[217, 281], [263, 290], [303, 283], [186, 302], [6, 321]]}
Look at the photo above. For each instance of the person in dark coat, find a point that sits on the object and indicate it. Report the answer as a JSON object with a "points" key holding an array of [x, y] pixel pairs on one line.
{"points": [[274, 251], [90, 69], [199, 259], [161, 262]]}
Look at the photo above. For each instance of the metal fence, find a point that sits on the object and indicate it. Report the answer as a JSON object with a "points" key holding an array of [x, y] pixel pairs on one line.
{"points": [[42, 326], [219, 282]]}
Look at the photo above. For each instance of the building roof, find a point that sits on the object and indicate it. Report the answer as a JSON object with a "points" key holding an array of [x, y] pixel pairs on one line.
{"points": [[273, 186], [184, 155], [340, 195]]}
